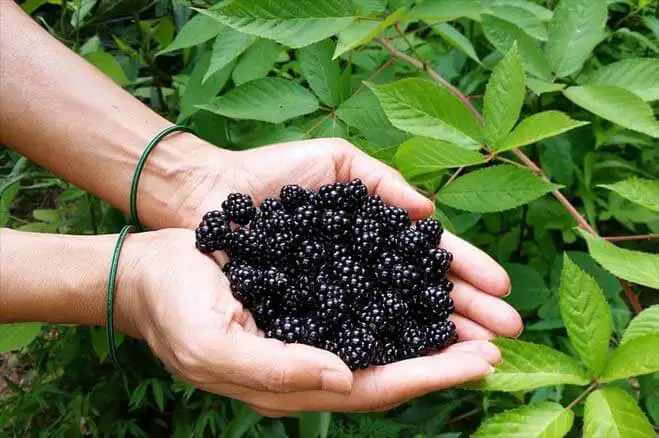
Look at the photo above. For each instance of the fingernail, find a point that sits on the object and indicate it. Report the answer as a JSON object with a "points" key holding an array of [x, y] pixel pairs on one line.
{"points": [[508, 293], [519, 333], [335, 381], [490, 352]]}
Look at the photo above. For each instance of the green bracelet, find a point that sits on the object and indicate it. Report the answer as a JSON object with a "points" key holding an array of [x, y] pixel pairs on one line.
{"points": [[109, 309], [134, 219]]}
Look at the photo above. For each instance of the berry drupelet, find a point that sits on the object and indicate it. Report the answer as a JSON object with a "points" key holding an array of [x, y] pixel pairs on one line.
{"points": [[239, 208]]}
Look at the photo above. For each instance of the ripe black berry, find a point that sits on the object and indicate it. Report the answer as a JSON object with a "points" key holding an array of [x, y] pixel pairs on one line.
{"points": [[410, 242], [383, 312], [395, 219], [212, 232], [307, 218], [293, 196], [434, 302], [336, 196], [310, 254], [357, 190], [413, 341], [239, 208], [436, 263], [373, 207], [431, 228], [271, 205], [337, 224], [356, 346], [440, 335]]}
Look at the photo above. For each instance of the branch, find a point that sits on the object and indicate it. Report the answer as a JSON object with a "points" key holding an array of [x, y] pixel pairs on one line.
{"points": [[422, 65], [626, 238], [581, 396]]}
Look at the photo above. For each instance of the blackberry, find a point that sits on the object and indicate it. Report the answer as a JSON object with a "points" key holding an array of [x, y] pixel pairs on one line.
{"points": [[272, 282], [413, 342], [244, 243], [336, 196], [395, 219], [293, 196], [410, 242], [435, 303], [384, 266], [313, 199], [239, 208], [271, 205], [243, 280], [431, 228], [310, 254], [211, 234], [296, 330], [337, 224], [440, 335], [298, 299], [333, 303], [368, 237], [383, 312], [265, 311], [278, 247], [436, 263], [372, 208], [356, 346], [388, 352], [307, 218], [357, 190], [405, 277]]}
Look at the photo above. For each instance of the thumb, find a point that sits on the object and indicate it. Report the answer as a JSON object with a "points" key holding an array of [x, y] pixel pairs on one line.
{"points": [[271, 365]]}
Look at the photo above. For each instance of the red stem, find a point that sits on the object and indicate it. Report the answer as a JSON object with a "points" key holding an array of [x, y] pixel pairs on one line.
{"points": [[629, 293], [637, 237]]}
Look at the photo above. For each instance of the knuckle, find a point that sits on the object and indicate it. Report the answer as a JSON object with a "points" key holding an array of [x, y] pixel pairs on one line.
{"points": [[279, 379]]}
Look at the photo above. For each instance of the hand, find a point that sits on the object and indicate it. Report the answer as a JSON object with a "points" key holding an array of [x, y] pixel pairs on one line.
{"points": [[179, 301]]}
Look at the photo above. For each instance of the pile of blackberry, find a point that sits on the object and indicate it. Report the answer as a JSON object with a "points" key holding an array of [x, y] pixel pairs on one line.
{"points": [[337, 269]]}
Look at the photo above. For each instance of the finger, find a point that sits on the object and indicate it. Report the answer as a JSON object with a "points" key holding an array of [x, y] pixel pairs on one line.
{"points": [[488, 311], [271, 365], [474, 266], [381, 180], [378, 388], [468, 330], [484, 349]]}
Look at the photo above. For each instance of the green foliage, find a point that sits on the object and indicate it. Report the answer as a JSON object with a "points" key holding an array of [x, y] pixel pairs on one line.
{"points": [[447, 91]]}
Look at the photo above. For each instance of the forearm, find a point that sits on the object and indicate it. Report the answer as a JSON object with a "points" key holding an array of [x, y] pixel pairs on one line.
{"points": [[62, 113], [62, 279]]}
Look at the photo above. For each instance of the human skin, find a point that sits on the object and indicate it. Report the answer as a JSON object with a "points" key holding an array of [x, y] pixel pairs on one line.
{"points": [[68, 117]]}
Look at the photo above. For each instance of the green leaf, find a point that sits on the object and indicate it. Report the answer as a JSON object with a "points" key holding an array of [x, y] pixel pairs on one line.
{"points": [[635, 266], [453, 36], [611, 412], [256, 62], [645, 323], [423, 108], [529, 290], [199, 91], [504, 97], [539, 86], [19, 335], [495, 188], [577, 27], [538, 420], [294, 23], [364, 31], [243, 420], [446, 10], [314, 424], [586, 315], [640, 191], [637, 75], [633, 358], [324, 75], [273, 100], [502, 34], [196, 31], [109, 65], [557, 160], [617, 105], [158, 394], [363, 112], [538, 127], [229, 45], [420, 155], [522, 18], [529, 366], [542, 13], [6, 200], [100, 343]]}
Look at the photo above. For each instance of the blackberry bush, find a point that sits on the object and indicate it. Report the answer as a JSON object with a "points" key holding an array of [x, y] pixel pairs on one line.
{"points": [[336, 269]]}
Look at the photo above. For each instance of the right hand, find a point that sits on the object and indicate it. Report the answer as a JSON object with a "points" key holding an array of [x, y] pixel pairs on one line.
{"points": [[181, 304]]}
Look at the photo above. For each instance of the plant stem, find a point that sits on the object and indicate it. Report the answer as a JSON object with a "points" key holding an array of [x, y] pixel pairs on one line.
{"points": [[463, 416], [581, 396], [626, 238], [420, 64]]}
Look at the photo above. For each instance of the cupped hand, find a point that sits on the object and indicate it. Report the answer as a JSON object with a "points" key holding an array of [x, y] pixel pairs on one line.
{"points": [[183, 307]]}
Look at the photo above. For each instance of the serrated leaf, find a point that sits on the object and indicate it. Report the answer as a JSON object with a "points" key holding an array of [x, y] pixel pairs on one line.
{"points": [[423, 108], [522, 18], [637, 75], [273, 100], [363, 112], [617, 105], [256, 62], [446, 10], [198, 92], [453, 36], [495, 188], [541, 12], [586, 315], [635, 266], [229, 45], [364, 31], [612, 413], [502, 34], [529, 290], [295, 23], [18, 335], [577, 27], [420, 155], [528, 366], [539, 86], [538, 127], [323, 74], [633, 358], [198, 30], [640, 191], [538, 420], [645, 323], [504, 96]]}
